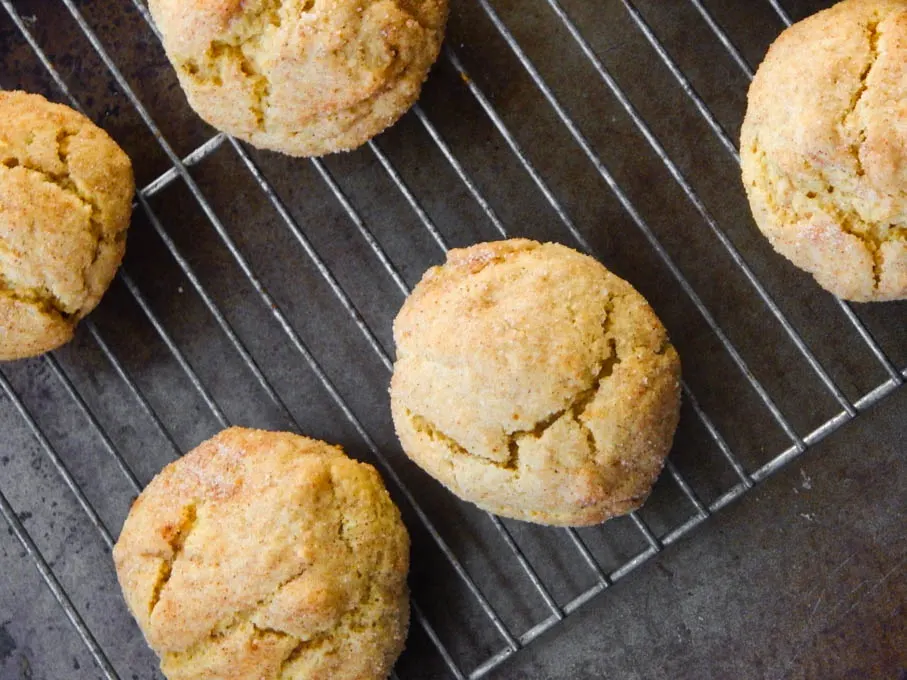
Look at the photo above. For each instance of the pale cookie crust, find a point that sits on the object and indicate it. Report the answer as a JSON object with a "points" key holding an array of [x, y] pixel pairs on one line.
{"points": [[65, 202], [824, 148], [266, 556], [534, 383], [304, 77]]}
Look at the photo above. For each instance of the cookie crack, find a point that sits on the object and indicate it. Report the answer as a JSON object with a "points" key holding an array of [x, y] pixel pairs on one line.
{"points": [[67, 182], [260, 83], [582, 404], [364, 107], [871, 245], [350, 620], [44, 297], [250, 612], [424, 426], [176, 541], [294, 654], [580, 401], [230, 623], [238, 48], [576, 407], [94, 216], [64, 179], [264, 630], [301, 648], [341, 516], [873, 33], [243, 45], [847, 218]]}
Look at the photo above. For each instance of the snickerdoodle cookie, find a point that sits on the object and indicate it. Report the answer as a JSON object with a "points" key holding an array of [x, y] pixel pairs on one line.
{"points": [[304, 77], [534, 383], [824, 148], [267, 556], [65, 202]]}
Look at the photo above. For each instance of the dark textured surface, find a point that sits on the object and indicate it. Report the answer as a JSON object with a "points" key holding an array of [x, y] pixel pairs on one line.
{"points": [[804, 578], [779, 584]]}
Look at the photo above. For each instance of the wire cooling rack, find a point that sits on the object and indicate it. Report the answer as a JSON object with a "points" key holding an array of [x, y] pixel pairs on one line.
{"points": [[259, 290]]}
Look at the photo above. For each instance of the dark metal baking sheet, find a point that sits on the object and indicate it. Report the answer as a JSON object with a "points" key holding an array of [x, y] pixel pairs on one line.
{"points": [[260, 290]]}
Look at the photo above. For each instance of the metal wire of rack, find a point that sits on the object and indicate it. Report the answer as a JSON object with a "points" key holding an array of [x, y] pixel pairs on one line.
{"points": [[465, 568]]}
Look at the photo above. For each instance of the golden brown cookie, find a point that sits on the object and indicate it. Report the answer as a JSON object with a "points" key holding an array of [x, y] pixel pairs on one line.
{"points": [[65, 202], [304, 77], [267, 556], [824, 148], [534, 383]]}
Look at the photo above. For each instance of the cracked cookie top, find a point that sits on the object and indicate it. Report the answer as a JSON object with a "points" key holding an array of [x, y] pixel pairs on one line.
{"points": [[267, 555], [824, 148], [534, 383], [304, 77], [65, 202]]}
